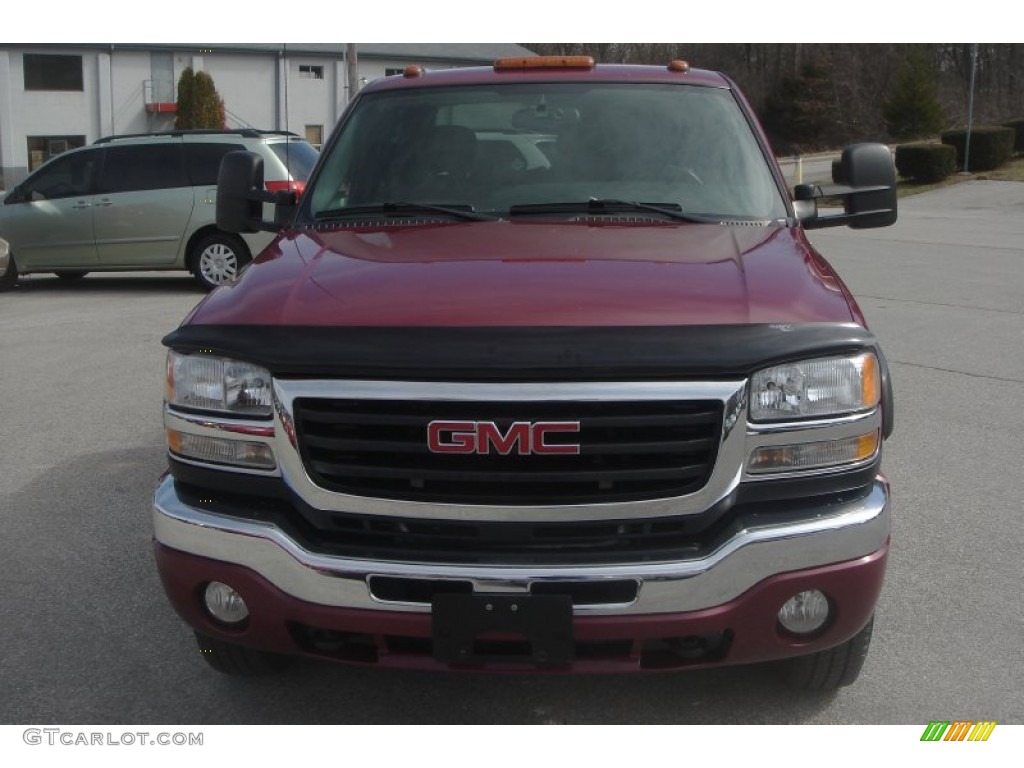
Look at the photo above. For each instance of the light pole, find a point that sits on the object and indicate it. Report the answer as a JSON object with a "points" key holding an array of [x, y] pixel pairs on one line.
{"points": [[352, 60], [970, 107]]}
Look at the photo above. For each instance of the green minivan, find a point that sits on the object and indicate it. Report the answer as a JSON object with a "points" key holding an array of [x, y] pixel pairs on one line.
{"points": [[141, 202]]}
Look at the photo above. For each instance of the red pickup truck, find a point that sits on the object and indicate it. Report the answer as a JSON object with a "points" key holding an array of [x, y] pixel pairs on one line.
{"points": [[540, 373]]}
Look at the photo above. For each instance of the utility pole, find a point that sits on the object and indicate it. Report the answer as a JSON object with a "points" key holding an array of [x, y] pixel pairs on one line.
{"points": [[352, 62], [970, 107]]}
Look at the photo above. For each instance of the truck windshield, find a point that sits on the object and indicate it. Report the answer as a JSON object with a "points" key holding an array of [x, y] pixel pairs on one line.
{"points": [[540, 149]]}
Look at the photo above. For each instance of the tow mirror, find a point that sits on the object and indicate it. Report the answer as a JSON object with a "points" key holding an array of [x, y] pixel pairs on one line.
{"points": [[865, 180], [241, 194]]}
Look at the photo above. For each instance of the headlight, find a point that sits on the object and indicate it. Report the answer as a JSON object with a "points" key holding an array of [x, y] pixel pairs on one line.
{"points": [[218, 384], [821, 388]]}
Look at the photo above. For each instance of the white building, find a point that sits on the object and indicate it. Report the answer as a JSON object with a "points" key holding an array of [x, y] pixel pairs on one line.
{"points": [[54, 97]]}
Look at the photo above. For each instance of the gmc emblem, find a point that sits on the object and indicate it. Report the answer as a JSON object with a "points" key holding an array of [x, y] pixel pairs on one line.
{"points": [[484, 436]]}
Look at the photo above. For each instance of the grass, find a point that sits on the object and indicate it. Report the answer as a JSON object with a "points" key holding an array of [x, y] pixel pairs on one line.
{"points": [[1011, 171]]}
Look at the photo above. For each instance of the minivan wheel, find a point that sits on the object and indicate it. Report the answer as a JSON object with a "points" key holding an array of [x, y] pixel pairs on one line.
{"points": [[217, 259], [238, 660], [830, 669], [71, 274], [9, 279]]}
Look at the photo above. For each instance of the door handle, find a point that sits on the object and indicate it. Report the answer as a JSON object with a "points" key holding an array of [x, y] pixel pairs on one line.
{"points": [[81, 204], [103, 203]]}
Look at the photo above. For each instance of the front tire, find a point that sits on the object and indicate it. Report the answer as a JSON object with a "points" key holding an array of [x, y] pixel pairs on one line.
{"points": [[830, 669], [238, 660], [217, 258]]}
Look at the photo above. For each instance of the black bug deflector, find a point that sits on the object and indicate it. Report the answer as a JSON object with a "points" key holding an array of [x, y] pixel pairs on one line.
{"points": [[520, 353]]}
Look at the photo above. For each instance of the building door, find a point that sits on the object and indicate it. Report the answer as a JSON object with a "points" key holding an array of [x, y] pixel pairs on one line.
{"points": [[161, 68]]}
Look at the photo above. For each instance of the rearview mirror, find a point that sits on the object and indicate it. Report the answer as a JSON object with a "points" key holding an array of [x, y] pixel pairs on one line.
{"points": [[16, 195]]}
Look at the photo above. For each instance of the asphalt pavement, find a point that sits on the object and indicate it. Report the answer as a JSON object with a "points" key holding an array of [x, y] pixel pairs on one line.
{"points": [[86, 635]]}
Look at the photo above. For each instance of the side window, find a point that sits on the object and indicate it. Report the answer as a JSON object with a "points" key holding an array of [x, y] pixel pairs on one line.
{"points": [[150, 166], [203, 162], [67, 176]]}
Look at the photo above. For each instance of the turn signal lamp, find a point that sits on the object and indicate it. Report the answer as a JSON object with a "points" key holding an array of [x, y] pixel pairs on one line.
{"points": [[220, 450], [818, 455]]}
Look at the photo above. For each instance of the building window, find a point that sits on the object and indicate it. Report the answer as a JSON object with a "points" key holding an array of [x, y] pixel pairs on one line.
{"points": [[315, 135], [389, 71], [311, 71], [42, 148], [46, 72]]}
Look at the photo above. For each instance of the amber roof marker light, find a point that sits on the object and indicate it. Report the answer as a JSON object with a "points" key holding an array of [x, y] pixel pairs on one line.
{"points": [[413, 70], [544, 62], [678, 65]]}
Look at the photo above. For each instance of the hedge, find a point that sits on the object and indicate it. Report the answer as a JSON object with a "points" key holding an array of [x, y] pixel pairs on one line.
{"points": [[1018, 128], [991, 146], [927, 163]]}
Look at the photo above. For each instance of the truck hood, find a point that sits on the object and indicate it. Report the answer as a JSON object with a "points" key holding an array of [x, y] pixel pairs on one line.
{"points": [[483, 274]]}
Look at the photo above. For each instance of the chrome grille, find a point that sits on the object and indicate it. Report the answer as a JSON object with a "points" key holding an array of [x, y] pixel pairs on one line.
{"points": [[629, 450]]}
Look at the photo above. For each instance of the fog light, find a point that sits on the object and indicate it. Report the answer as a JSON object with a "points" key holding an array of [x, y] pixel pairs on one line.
{"points": [[804, 612], [224, 604]]}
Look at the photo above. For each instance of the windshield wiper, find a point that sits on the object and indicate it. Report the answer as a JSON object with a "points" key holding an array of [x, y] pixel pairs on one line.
{"points": [[609, 205], [404, 209]]}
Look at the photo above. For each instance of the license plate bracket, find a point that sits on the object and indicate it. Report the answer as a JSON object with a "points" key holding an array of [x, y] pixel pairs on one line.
{"points": [[544, 622]]}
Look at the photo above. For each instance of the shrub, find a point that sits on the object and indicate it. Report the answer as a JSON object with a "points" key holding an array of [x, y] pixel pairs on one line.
{"points": [[991, 146], [1018, 128], [926, 163]]}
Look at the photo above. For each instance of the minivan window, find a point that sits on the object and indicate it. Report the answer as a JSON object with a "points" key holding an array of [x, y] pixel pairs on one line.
{"points": [[203, 161], [297, 156], [128, 169], [69, 175]]}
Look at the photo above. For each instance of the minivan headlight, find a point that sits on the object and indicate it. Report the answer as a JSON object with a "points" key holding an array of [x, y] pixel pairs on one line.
{"points": [[219, 384], [819, 388]]}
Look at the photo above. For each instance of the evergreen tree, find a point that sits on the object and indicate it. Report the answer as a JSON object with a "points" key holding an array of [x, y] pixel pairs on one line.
{"points": [[199, 104], [186, 87], [801, 112], [912, 109]]}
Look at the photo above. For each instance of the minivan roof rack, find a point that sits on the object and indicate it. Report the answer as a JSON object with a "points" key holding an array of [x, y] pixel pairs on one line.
{"points": [[248, 133]]}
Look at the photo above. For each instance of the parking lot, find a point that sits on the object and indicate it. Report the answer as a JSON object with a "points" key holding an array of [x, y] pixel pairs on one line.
{"points": [[88, 637]]}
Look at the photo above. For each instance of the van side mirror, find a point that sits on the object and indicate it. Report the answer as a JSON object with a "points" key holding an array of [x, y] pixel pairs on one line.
{"points": [[241, 194], [16, 195], [865, 180]]}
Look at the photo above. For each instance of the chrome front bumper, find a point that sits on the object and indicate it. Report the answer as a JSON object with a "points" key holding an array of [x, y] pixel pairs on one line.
{"points": [[836, 533]]}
